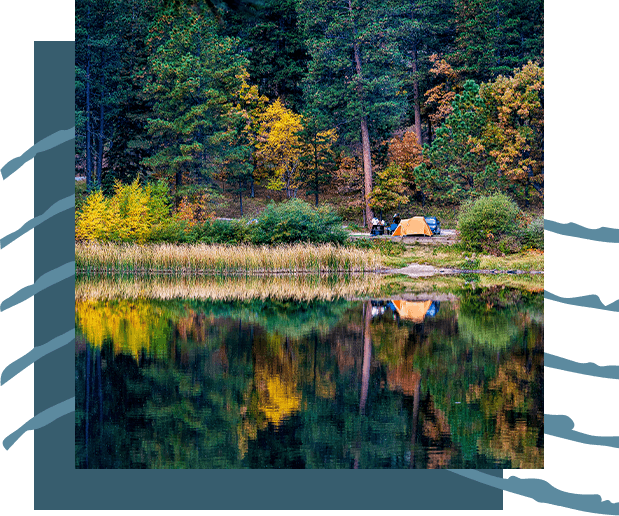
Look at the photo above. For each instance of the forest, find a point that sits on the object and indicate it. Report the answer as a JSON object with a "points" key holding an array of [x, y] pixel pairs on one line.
{"points": [[370, 107]]}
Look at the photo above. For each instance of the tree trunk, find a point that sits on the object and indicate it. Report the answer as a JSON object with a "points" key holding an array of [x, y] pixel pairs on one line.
{"points": [[367, 169], [365, 138], [316, 194], [429, 131], [253, 171], [100, 149], [416, 96], [241, 198], [88, 149], [179, 183], [316, 170]]}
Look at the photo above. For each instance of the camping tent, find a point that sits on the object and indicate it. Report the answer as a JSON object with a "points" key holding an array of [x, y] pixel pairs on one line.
{"points": [[414, 226], [413, 310]]}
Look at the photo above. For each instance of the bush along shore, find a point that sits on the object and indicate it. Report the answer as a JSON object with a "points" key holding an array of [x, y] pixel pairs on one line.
{"points": [[133, 233]]}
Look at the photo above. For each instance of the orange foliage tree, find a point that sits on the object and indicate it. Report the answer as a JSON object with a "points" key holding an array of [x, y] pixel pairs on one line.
{"points": [[514, 133], [439, 98]]}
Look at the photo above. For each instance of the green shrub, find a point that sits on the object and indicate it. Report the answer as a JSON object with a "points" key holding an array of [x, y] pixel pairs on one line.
{"points": [[490, 224], [297, 221], [221, 232], [533, 235], [171, 231]]}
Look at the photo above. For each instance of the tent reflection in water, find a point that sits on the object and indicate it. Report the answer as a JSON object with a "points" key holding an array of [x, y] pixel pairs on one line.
{"points": [[415, 311], [414, 226]]}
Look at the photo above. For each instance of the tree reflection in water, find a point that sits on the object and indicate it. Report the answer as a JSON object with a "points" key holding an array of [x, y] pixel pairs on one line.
{"points": [[313, 384]]}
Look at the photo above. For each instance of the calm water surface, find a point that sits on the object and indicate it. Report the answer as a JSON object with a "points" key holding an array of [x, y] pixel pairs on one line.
{"points": [[265, 383]]}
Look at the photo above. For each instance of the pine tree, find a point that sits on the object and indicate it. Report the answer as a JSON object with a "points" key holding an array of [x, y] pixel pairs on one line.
{"points": [[129, 144], [457, 165], [99, 50], [495, 36], [318, 159], [271, 39], [195, 79], [354, 79]]}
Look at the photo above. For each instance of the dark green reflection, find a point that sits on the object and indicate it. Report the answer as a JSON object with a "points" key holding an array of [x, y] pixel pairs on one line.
{"points": [[288, 384]]}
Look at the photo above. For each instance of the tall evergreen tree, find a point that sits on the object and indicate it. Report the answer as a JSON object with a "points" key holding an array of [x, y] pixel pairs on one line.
{"points": [[426, 29], [271, 39], [195, 79], [96, 44], [318, 159], [458, 165], [129, 143], [495, 36], [354, 78]]}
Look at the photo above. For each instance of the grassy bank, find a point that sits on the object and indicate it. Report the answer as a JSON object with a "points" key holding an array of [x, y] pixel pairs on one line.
{"points": [[223, 259], [298, 258], [454, 257]]}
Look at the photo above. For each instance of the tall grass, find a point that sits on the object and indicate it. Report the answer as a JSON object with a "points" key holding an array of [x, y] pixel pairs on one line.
{"points": [[222, 259]]}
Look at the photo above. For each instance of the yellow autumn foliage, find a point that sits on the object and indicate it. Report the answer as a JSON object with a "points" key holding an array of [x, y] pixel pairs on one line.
{"points": [[130, 217], [92, 222], [279, 147], [126, 216]]}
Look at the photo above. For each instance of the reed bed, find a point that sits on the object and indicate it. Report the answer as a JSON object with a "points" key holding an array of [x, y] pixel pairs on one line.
{"points": [[222, 259], [235, 288]]}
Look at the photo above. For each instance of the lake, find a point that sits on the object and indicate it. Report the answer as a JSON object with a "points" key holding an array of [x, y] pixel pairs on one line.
{"points": [[306, 373]]}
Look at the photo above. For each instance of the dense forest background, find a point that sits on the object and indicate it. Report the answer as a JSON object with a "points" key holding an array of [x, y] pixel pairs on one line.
{"points": [[370, 106]]}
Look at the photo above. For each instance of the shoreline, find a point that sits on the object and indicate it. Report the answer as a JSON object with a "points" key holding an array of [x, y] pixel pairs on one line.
{"points": [[413, 270]]}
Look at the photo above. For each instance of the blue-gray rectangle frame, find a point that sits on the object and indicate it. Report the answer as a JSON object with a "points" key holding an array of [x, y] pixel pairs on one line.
{"points": [[58, 485]]}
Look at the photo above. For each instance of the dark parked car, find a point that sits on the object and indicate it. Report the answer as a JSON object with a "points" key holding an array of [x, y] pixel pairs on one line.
{"points": [[434, 224]]}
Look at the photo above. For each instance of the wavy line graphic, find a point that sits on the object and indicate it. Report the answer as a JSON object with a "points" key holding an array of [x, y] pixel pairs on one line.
{"points": [[67, 203], [46, 280], [588, 369], [47, 143], [603, 234], [40, 420], [563, 426], [33, 355], [543, 492], [591, 301]]}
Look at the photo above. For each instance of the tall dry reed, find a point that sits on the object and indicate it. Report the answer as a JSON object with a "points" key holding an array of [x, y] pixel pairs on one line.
{"points": [[222, 259]]}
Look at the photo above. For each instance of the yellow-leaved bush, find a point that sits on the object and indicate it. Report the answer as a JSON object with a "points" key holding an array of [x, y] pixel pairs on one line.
{"points": [[127, 216], [92, 222]]}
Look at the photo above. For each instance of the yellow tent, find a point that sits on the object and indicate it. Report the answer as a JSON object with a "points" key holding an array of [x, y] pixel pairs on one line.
{"points": [[413, 310], [414, 226]]}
